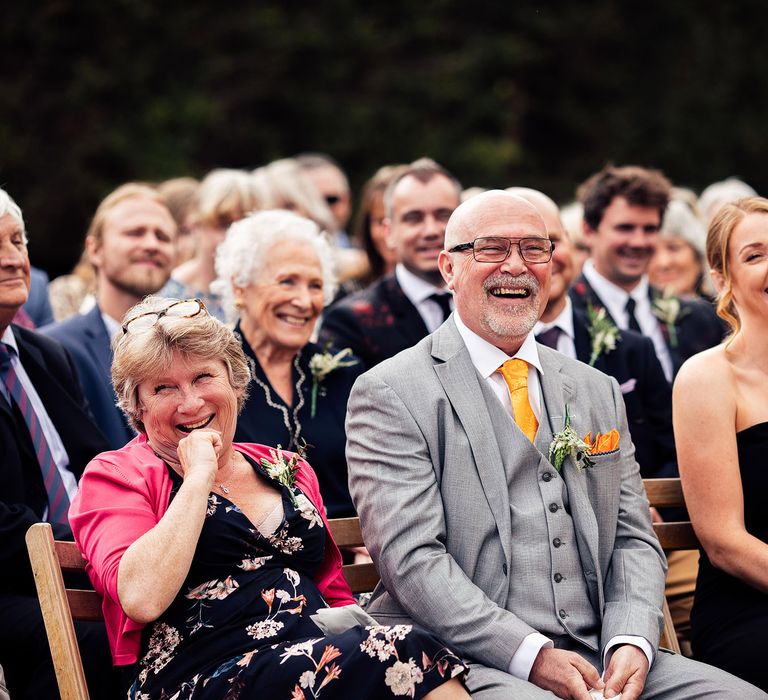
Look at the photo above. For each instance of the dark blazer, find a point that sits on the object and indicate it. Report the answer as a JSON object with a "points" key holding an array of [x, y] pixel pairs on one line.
{"points": [[86, 339], [38, 305], [646, 392], [376, 323], [23, 493], [697, 326]]}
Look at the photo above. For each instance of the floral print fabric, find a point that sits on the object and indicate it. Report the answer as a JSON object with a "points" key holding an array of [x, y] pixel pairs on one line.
{"points": [[240, 627]]}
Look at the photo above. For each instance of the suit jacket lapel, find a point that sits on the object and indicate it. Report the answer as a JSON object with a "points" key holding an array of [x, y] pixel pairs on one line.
{"points": [[461, 384], [100, 345], [410, 321]]}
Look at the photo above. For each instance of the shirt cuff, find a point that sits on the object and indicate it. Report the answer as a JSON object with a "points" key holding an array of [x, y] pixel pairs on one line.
{"points": [[639, 642], [523, 658]]}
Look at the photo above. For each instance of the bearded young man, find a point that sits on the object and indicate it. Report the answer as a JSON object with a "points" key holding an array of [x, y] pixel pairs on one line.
{"points": [[132, 245]]}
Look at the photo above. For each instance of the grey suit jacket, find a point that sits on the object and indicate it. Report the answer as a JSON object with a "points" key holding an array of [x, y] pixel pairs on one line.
{"points": [[428, 444]]}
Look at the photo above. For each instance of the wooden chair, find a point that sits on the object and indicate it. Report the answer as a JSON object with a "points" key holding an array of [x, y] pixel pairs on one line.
{"points": [[60, 606], [673, 536], [362, 578]]}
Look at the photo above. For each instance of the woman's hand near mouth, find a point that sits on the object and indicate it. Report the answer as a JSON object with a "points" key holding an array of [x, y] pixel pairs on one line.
{"points": [[199, 454]]}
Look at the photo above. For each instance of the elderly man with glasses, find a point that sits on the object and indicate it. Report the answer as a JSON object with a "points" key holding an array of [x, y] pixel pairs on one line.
{"points": [[523, 536]]}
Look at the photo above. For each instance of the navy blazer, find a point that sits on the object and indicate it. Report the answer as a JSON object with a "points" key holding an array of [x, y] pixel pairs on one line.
{"points": [[377, 322], [646, 392], [698, 327], [86, 339], [24, 499]]}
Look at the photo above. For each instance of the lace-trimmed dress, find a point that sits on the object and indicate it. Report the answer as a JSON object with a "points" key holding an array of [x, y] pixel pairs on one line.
{"points": [[240, 626]]}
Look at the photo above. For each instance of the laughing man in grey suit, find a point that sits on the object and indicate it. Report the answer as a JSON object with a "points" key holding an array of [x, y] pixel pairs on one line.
{"points": [[539, 576]]}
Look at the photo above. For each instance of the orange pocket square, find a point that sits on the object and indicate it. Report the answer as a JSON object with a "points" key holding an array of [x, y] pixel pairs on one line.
{"points": [[603, 442]]}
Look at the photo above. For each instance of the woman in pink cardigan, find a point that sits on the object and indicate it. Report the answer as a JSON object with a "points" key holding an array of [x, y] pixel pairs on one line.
{"points": [[214, 559]]}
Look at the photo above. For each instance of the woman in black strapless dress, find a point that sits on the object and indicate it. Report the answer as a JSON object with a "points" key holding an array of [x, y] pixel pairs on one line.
{"points": [[720, 408]]}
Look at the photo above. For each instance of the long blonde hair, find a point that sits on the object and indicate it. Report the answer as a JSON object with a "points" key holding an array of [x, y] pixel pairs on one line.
{"points": [[721, 229]]}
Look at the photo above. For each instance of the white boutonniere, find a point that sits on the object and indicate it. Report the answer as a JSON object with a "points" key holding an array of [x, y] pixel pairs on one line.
{"points": [[668, 310], [321, 364], [283, 470], [567, 443], [602, 332]]}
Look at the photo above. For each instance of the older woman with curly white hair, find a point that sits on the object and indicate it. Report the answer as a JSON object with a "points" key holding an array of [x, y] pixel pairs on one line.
{"points": [[275, 275]]}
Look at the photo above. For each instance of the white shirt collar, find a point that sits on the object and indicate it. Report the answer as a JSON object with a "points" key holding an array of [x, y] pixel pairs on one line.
{"points": [[563, 321], [487, 358], [610, 293], [113, 327], [10, 339], [415, 288]]}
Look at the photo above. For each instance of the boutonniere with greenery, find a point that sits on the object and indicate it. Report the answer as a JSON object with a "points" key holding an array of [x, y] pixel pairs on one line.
{"points": [[567, 443], [668, 310], [602, 332], [283, 470], [321, 364]]}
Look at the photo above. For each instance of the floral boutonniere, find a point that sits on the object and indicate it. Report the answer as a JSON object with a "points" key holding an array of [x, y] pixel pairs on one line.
{"points": [[567, 443], [668, 310], [321, 364], [283, 470], [602, 332]]}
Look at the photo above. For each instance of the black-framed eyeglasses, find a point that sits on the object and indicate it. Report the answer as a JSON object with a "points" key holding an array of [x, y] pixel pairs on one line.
{"points": [[496, 249], [181, 308]]}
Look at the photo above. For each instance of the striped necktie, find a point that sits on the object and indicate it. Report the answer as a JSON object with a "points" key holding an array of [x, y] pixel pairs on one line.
{"points": [[515, 373], [58, 500]]}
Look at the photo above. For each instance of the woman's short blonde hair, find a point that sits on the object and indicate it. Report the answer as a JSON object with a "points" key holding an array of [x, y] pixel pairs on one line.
{"points": [[721, 228], [242, 256], [224, 196], [141, 355]]}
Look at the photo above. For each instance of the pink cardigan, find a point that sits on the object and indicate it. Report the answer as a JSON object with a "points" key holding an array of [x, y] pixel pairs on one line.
{"points": [[122, 495]]}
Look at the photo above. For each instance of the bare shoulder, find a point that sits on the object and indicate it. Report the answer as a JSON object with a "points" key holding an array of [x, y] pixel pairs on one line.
{"points": [[709, 370]]}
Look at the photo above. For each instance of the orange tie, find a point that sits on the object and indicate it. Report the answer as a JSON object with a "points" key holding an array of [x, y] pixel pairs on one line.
{"points": [[515, 373]]}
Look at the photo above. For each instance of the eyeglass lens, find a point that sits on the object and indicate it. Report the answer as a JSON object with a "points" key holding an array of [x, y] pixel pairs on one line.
{"points": [[497, 249]]}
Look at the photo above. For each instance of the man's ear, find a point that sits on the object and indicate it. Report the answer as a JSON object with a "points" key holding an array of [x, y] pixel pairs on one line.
{"points": [[389, 236], [587, 230], [93, 250], [445, 264]]}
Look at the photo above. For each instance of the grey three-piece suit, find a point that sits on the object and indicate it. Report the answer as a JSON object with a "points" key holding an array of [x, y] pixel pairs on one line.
{"points": [[479, 539]]}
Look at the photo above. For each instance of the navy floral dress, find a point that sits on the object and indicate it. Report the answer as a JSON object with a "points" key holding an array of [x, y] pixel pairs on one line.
{"points": [[240, 626]]}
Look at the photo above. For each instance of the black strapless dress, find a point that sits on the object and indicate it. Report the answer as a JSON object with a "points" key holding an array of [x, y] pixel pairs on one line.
{"points": [[729, 617], [240, 626]]}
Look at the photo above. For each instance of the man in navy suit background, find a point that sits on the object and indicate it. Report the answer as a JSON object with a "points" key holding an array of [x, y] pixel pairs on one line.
{"points": [[400, 309], [131, 244], [51, 394], [623, 211]]}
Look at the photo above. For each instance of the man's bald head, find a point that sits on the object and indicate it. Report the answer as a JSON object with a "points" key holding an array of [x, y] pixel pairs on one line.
{"points": [[502, 299], [483, 209], [546, 206]]}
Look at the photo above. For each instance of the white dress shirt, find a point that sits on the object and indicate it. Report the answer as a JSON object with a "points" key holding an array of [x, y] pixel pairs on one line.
{"points": [[52, 437], [615, 300], [487, 358], [566, 343], [418, 292]]}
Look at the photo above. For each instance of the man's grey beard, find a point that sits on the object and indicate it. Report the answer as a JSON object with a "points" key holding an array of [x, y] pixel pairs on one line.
{"points": [[519, 320]]}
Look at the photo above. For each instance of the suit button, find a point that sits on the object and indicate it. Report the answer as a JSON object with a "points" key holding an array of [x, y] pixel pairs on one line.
{"points": [[504, 568], [562, 614], [558, 578], [553, 507], [547, 476], [557, 542]]}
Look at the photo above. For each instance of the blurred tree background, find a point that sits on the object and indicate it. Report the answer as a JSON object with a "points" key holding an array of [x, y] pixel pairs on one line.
{"points": [[96, 93]]}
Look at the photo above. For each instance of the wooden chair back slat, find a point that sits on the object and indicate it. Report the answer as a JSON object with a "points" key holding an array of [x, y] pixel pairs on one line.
{"points": [[57, 616], [673, 536]]}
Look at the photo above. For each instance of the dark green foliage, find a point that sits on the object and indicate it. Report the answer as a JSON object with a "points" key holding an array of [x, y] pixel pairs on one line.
{"points": [[95, 93]]}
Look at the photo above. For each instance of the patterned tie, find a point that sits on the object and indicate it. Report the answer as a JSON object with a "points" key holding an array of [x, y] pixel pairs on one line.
{"points": [[550, 337], [515, 373], [58, 500], [443, 300], [630, 309]]}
